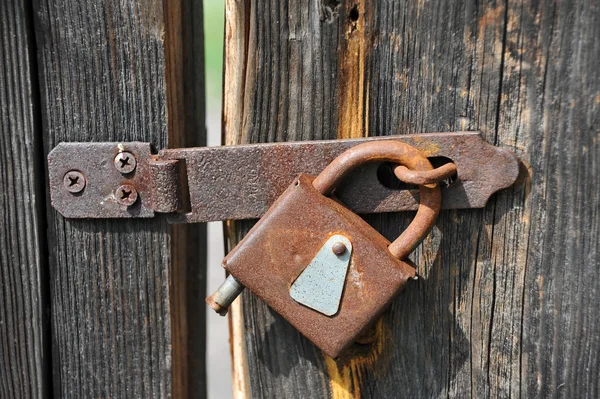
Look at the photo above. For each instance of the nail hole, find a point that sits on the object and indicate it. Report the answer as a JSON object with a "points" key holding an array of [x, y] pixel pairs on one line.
{"points": [[332, 4], [354, 14]]}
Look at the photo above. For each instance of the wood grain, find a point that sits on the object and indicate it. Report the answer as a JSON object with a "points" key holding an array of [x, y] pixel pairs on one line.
{"points": [[506, 304], [184, 52], [24, 333], [108, 73]]}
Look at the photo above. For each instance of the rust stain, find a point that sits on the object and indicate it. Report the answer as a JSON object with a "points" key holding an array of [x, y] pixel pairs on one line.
{"points": [[341, 380], [427, 147], [346, 372], [353, 80], [353, 122], [492, 17]]}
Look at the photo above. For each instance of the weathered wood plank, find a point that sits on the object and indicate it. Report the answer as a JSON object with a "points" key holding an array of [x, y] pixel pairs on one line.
{"points": [[24, 338], [506, 305], [108, 72], [186, 110]]}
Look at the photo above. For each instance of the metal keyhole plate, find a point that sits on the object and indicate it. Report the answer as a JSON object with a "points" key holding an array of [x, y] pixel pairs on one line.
{"points": [[321, 284]]}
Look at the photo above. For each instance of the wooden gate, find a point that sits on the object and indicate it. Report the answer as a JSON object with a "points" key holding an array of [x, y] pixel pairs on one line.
{"points": [[97, 308], [507, 300], [506, 303]]}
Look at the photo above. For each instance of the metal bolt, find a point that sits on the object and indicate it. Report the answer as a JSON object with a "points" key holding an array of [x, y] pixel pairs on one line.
{"points": [[74, 181], [224, 296], [339, 248], [125, 162], [126, 195], [368, 337]]}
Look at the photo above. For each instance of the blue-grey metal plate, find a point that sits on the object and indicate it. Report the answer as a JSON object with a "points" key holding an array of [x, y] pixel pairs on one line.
{"points": [[321, 284]]}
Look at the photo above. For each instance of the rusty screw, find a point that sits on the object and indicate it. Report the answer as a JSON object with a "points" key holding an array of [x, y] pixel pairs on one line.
{"points": [[126, 195], [339, 248], [125, 162], [74, 181]]}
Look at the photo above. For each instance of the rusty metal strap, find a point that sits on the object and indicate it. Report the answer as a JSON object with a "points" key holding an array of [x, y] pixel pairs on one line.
{"points": [[99, 180]]}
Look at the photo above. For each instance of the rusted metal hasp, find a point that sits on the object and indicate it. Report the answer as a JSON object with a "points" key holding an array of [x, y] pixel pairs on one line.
{"points": [[241, 182]]}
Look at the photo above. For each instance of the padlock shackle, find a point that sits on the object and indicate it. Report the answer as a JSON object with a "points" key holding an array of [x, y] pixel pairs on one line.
{"points": [[400, 153]]}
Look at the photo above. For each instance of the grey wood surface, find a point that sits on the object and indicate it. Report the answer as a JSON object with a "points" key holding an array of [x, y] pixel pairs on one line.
{"points": [[507, 303], [24, 338], [112, 71]]}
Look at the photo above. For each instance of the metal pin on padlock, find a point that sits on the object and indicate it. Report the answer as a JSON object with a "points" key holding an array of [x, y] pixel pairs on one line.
{"points": [[321, 266]]}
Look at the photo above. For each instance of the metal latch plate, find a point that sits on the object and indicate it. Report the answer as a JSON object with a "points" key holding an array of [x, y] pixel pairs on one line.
{"points": [[95, 163], [241, 182]]}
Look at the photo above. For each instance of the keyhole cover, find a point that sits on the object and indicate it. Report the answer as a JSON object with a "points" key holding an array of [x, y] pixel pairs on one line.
{"points": [[321, 284]]}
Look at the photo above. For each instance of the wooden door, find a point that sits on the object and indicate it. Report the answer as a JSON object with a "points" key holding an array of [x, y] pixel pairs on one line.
{"points": [[507, 302], [24, 310], [97, 308]]}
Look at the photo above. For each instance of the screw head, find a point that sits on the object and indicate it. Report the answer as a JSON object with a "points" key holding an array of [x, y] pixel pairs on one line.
{"points": [[125, 162], [74, 181], [339, 248], [126, 195]]}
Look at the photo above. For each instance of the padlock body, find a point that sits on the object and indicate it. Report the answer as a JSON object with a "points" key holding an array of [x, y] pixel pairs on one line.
{"points": [[283, 243]]}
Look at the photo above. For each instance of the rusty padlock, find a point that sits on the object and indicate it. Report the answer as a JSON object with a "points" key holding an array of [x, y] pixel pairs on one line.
{"points": [[321, 266]]}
